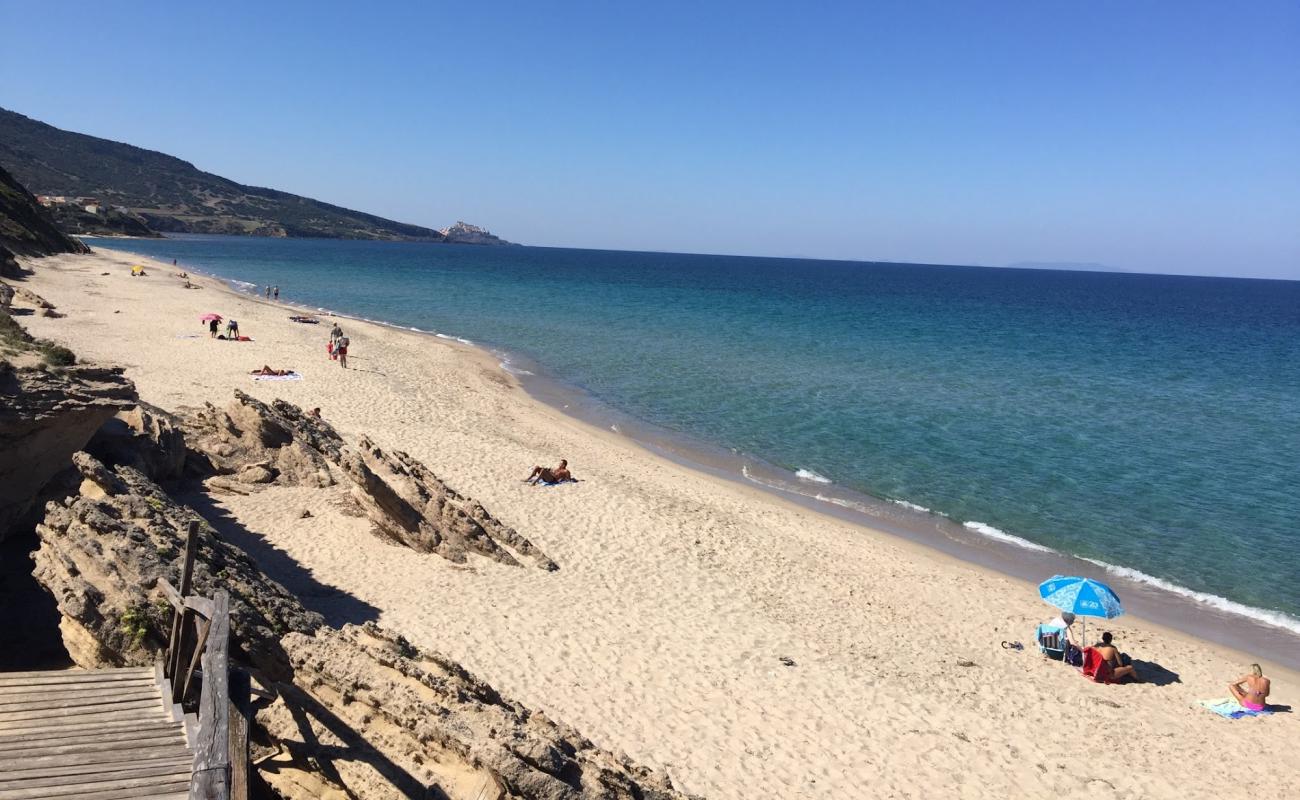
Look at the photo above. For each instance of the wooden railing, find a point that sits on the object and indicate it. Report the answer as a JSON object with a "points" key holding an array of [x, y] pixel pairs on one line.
{"points": [[199, 645]]}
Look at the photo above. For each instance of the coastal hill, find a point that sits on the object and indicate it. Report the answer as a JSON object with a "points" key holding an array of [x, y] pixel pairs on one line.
{"points": [[25, 227], [171, 195]]}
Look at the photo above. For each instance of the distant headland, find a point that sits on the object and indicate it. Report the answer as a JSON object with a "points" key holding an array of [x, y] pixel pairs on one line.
{"points": [[97, 186]]}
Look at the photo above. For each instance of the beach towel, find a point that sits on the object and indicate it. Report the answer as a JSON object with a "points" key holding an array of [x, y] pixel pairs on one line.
{"points": [[290, 377], [1229, 708], [1096, 667]]}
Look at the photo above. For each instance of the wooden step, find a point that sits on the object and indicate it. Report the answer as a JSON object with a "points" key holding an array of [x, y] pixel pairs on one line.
{"points": [[68, 699], [75, 769], [11, 689], [56, 675], [89, 773], [120, 789], [120, 729], [80, 710]]}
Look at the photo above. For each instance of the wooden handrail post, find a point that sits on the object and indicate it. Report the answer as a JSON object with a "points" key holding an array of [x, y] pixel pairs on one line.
{"points": [[176, 652], [211, 778]]}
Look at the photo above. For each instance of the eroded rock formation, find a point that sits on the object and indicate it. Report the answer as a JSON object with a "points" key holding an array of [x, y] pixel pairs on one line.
{"points": [[420, 719], [257, 444], [46, 414], [103, 552]]}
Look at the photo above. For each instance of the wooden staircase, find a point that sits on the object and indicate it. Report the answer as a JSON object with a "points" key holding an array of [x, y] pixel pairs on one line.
{"points": [[175, 731], [90, 735]]}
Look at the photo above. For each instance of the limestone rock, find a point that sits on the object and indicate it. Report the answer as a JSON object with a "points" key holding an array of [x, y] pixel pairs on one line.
{"points": [[6, 295], [145, 438], [46, 416], [409, 720], [103, 552], [258, 443]]}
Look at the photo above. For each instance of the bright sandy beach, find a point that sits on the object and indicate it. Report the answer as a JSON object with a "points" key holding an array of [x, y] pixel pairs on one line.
{"points": [[679, 593]]}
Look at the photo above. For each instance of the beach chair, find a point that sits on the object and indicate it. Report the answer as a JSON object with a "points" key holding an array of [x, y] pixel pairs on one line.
{"points": [[1051, 641], [1096, 667]]}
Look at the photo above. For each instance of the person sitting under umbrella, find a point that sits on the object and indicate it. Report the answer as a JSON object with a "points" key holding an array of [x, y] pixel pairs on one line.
{"points": [[1121, 666]]}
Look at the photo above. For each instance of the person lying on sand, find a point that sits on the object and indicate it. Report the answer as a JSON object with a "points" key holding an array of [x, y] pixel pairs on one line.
{"points": [[1255, 694], [1120, 664], [266, 370], [560, 474]]}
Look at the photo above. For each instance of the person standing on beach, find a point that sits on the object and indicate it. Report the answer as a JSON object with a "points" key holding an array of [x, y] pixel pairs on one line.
{"points": [[276, 291], [268, 293], [341, 350], [212, 327]]}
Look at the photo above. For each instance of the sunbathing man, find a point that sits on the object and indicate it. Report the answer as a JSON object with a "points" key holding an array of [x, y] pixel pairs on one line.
{"points": [[1256, 692], [560, 474], [266, 370], [1117, 660]]}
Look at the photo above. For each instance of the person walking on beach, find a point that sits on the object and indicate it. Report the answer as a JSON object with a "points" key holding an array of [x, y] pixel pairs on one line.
{"points": [[341, 350], [1255, 695]]}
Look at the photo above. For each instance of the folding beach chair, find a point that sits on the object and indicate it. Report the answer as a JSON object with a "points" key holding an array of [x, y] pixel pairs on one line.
{"points": [[1051, 641]]}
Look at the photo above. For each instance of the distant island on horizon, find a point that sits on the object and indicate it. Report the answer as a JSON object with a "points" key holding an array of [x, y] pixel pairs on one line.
{"points": [[95, 186]]}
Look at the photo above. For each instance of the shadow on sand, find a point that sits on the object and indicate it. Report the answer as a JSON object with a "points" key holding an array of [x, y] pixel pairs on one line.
{"points": [[337, 606], [1155, 674]]}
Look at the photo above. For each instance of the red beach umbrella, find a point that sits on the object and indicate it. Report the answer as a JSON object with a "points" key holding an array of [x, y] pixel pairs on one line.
{"points": [[209, 317]]}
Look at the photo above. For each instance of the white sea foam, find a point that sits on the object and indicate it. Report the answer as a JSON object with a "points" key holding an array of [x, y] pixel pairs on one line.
{"points": [[913, 507], [443, 336], [243, 286], [463, 341], [809, 475], [513, 370], [1276, 619], [842, 503], [1003, 536]]}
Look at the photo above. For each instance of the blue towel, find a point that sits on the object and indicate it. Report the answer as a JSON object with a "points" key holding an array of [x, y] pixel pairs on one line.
{"points": [[1229, 708]]}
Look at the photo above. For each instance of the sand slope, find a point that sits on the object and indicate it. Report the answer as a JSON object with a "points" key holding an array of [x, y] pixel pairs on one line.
{"points": [[679, 592]]}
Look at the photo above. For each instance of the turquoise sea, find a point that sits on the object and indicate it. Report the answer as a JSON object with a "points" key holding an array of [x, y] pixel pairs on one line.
{"points": [[1148, 423]]}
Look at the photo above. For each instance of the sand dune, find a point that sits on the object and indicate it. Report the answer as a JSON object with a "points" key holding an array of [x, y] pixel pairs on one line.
{"points": [[679, 593]]}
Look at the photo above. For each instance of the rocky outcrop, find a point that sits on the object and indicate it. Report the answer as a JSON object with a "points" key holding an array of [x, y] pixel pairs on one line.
{"points": [[386, 719], [464, 233], [103, 552], [25, 228], [255, 444], [45, 416], [359, 712], [145, 438]]}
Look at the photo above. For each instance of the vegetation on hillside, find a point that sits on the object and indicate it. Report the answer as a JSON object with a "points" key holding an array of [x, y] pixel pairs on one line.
{"points": [[173, 195]]}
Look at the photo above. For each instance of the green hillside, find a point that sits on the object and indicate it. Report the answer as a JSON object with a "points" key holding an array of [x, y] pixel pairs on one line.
{"points": [[171, 194]]}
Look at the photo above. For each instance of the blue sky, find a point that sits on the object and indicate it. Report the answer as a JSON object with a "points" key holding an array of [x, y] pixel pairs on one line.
{"points": [[1152, 136]]}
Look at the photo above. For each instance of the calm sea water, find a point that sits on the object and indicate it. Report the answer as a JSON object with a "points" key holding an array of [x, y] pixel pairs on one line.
{"points": [[1148, 422]]}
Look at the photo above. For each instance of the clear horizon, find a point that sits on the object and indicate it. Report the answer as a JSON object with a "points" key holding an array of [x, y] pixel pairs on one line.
{"points": [[1158, 139]]}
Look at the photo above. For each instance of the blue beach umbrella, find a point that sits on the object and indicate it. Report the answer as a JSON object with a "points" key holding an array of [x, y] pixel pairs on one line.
{"points": [[1082, 597]]}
